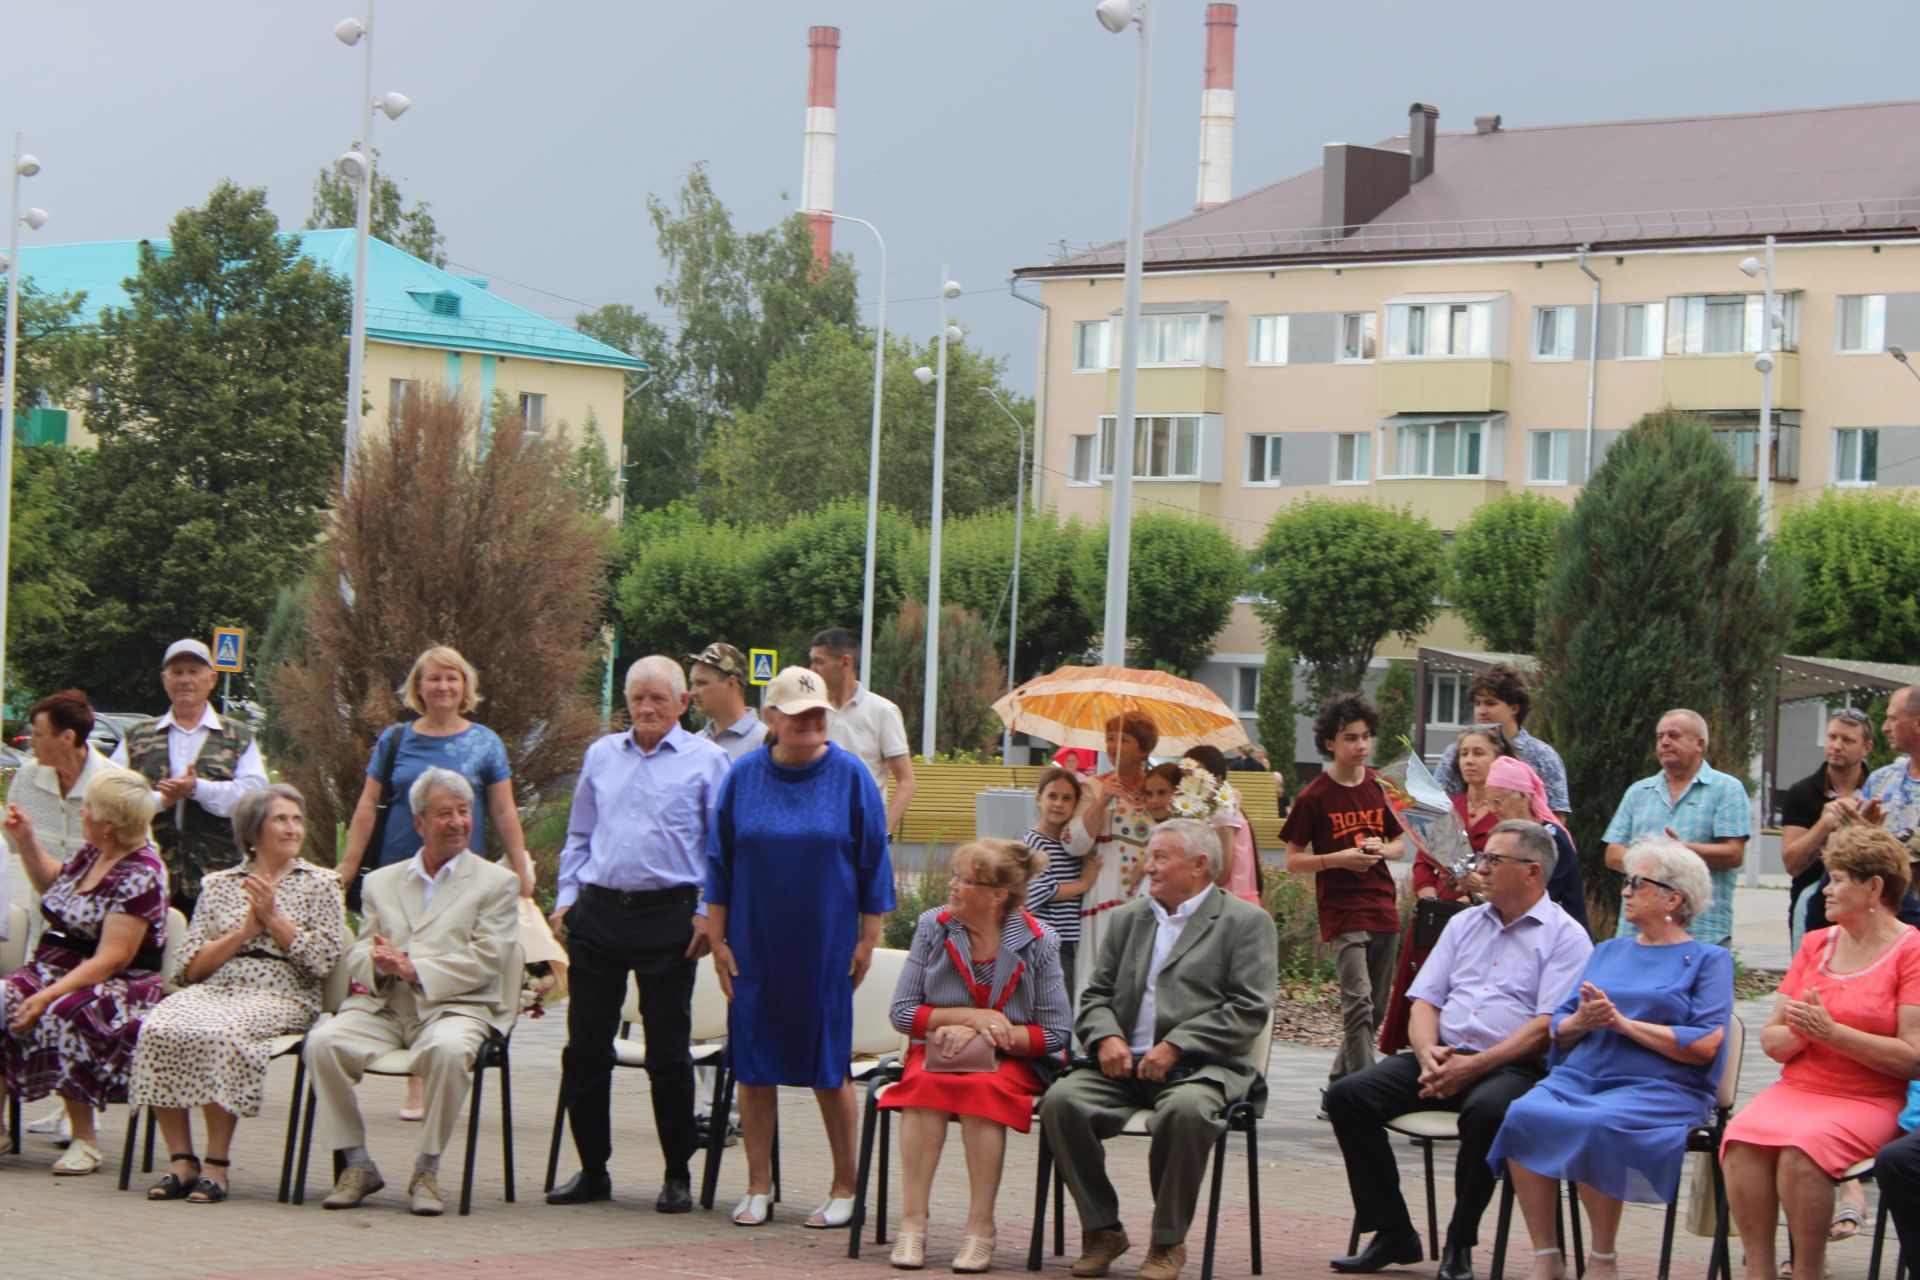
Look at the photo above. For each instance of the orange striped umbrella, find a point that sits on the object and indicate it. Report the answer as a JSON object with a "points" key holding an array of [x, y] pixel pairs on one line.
{"points": [[1072, 705]]}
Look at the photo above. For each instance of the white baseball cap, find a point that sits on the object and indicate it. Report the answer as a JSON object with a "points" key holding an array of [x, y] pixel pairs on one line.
{"points": [[796, 689], [187, 649]]}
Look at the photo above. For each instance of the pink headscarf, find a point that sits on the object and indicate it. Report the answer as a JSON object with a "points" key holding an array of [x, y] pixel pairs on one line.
{"points": [[1512, 774]]}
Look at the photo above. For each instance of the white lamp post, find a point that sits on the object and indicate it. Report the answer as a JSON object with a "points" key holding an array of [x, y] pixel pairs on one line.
{"points": [[1769, 322], [949, 290], [1115, 15], [357, 167], [1019, 517], [24, 166]]}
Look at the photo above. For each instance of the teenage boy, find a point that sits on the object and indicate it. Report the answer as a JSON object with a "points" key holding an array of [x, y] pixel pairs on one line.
{"points": [[1342, 832]]}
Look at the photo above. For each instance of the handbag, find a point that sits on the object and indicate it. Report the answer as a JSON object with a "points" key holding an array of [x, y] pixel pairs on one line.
{"points": [[379, 834], [1430, 916], [977, 1054]]}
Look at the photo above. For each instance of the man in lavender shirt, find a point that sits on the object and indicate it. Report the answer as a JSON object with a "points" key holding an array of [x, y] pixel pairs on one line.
{"points": [[1478, 1029], [631, 874]]}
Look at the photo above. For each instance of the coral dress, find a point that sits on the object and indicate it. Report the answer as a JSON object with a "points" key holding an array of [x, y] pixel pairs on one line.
{"points": [[1835, 1109]]}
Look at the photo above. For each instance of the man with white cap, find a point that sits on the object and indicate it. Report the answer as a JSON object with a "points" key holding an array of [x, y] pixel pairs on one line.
{"points": [[199, 765]]}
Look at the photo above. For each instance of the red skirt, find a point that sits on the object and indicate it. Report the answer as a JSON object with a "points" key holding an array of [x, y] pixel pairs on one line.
{"points": [[1004, 1096]]}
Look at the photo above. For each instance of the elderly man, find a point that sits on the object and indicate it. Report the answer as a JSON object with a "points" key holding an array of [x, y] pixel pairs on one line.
{"points": [[630, 878], [1182, 990], [1478, 1031], [719, 694], [1895, 788], [1690, 801], [863, 722], [428, 975], [199, 766]]}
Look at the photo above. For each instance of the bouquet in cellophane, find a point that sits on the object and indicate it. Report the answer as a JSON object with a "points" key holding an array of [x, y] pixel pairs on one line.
{"points": [[1431, 823], [1200, 797]]}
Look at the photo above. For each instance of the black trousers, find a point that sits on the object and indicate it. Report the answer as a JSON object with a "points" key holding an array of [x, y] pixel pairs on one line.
{"points": [[1359, 1106], [608, 937], [1897, 1170]]}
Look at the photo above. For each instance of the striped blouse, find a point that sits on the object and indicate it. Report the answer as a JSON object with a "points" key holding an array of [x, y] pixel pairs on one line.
{"points": [[1038, 999]]}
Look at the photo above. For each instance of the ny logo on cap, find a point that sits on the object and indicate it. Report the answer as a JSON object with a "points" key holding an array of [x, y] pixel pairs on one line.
{"points": [[806, 682]]}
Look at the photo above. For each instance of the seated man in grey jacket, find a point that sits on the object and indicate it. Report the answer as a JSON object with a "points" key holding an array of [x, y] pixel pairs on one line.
{"points": [[1181, 992]]}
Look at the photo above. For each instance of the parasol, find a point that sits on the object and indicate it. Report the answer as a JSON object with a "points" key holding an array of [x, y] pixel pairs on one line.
{"points": [[1071, 706]]}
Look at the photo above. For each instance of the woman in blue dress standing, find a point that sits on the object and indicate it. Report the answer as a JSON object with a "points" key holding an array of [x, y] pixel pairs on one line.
{"points": [[1637, 1055], [798, 885]]}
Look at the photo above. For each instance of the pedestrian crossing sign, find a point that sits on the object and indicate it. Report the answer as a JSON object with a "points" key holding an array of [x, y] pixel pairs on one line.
{"points": [[229, 648], [762, 663]]}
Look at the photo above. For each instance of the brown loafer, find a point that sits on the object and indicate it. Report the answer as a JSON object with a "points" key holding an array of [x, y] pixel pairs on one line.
{"points": [[1098, 1249], [1163, 1262], [423, 1195]]}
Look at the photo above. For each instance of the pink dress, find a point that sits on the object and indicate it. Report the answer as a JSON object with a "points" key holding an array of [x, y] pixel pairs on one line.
{"points": [[1837, 1110]]}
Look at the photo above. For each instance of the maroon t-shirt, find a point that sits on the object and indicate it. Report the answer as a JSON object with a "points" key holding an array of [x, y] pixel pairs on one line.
{"points": [[1328, 818]]}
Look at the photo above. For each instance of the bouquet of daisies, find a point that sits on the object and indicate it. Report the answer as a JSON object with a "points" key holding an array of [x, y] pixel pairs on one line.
{"points": [[1198, 796]]}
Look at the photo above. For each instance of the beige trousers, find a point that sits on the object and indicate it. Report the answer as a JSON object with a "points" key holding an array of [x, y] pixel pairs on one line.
{"points": [[339, 1049]]}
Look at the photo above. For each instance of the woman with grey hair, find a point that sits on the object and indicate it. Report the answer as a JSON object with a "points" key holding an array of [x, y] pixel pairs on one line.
{"points": [[264, 936], [1637, 1056]]}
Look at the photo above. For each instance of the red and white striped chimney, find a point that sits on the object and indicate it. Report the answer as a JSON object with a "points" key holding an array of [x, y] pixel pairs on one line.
{"points": [[1216, 109], [816, 174]]}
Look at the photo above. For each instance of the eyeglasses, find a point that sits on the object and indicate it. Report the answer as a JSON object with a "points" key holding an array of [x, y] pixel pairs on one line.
{"points": [[1495, 859], [977, 884], [1634, 883]]}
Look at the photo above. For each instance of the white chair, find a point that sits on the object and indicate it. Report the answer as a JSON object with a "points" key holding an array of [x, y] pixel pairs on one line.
{"points": [[13, 955], [493, 1053], [169, 953], [1706, 1138]]}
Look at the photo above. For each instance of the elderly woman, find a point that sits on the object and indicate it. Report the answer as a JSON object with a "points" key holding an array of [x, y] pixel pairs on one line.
{"points": [[983, 976], [264, 936], [52, 789], [1846, 1030], [798, 885], [1636, 1059], [1516, 792], [72, 1014], [1113, 821]]}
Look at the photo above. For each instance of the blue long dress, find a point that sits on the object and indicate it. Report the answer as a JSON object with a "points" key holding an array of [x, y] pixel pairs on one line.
{"points": [[1612, 1113], [796, 856]]}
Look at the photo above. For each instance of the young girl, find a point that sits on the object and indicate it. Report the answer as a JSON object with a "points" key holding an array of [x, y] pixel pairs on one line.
{"points": [[1162, 781], [1054, 895]]}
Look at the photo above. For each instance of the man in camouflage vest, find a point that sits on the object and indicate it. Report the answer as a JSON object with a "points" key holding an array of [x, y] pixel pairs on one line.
{"points": [[199, 765]]}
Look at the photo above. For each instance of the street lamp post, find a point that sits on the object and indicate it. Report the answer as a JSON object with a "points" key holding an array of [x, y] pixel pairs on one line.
{"points": [[949, 290], [1900, 354], [1115, 15], [1763, 467], [24, 166], [1019, 516]]}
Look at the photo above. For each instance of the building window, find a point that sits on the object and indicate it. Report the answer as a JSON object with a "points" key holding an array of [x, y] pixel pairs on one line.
{"points": [[1856, 455], [1357, 337], [397, 389], [1164, 447], [1862, 324], [1728, 323], [1553, 333], [1246, 690], [1547, 456], [1742, 444], [1447, 700], [1080, 461], [1263, 460], [1352, 462], [1642, 325], [533, 407], [1092, 347], [1457, 329], [1440, 449], [1173, 339], [1267, 340]]}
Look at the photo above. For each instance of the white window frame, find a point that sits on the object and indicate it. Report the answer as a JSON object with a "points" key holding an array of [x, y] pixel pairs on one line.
{"points": [[1456, 683], [1860, 436], [1435, 329], [1369, 338], [1562, 445], [1563, 323], [1242, 705], [1101, 334], [1082, 451], [1362, 458], [1269, 446], [1873, 324], [1687, 316], [1653, 330], [1268, 334], [397, 389], [1159, 335], [533, 407], [1432, 435], [1145, 425]]}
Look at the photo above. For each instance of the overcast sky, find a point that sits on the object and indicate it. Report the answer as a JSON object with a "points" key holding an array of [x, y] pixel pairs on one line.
{"points": [[971, 131]]}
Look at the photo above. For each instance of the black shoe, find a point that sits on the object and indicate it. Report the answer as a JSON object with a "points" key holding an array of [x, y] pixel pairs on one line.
{"points": [[676, 1196], [1386, 1249], [583, 1188], [1456, 1262]]}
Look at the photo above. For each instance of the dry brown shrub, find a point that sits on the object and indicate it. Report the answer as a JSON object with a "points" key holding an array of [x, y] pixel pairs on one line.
{"points": [[448, 537]]}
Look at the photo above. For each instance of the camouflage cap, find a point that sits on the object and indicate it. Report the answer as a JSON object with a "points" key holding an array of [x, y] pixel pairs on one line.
{"points": [[722, 657]]}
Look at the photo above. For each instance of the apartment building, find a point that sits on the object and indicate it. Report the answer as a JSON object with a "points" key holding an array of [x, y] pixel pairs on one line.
{"points": [[1444, 317]]}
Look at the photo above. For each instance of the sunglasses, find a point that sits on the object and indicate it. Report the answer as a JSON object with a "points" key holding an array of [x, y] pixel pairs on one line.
{"points": [[1852, 715], [1634, 883]]}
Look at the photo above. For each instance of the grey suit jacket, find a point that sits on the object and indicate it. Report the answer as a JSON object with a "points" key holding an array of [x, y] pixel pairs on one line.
{"points": [[457, 943], [1214, 995]]}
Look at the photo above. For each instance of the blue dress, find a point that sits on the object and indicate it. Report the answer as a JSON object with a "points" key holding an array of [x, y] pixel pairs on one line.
{"points": [[475, 753], [797, 856], [1611, 1113]]}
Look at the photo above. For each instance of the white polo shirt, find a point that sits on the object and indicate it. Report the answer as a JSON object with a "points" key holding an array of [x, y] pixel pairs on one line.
{"points": [[870, 727]]}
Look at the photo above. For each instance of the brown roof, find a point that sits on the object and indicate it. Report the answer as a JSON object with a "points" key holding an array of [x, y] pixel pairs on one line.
{"points": [[1817, 172]]}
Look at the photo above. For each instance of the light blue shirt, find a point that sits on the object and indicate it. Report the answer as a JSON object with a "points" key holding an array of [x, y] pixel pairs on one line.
{"points": [[1714, 806], [743, 735], [1898, 792], [1489, 978], [640, 818]]}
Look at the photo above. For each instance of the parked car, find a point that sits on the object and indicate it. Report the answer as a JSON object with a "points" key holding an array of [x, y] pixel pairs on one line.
{"points": [[111, 726]]}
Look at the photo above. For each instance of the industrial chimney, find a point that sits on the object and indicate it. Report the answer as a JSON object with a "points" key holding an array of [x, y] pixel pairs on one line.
{"points": [[1216, 110], [816, 175]]}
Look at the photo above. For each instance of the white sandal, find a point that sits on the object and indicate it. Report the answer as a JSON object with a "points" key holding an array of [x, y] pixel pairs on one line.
{"points": [[835, 1212], [753, 1210], [80, 1158]]}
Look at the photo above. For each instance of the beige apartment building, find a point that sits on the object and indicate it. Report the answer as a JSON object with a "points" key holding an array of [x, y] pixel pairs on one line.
{"points": [[1446, 317]]}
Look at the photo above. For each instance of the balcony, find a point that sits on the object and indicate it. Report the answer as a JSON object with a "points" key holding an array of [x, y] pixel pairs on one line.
{"points": [[1172, 389], [1445, 502], [1728, 381], [1443, 386]]}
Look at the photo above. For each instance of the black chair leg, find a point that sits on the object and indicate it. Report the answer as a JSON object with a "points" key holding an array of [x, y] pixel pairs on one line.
{"points": [[1253, 1196], [1579, 1246], [776, 1155], [13, 1122], [506, 1116], [1879, 1240], [1059, 1216], [146, 1165], [126, 1155], [717, 1134], [1213, 1206], [880, 1192], [473, 1136], [1353, 1237], [1666, 1237], [1044, 1167], [293, 1125], [1433, 1203], [306, 1146], [707, 1167], [862, 1173], [1500, 1232], [1721, 1264], [553, 1147]]}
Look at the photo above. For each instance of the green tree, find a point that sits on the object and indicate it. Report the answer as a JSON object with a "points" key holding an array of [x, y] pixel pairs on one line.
{"points": [[590, 473], [218, 411], [1276, 712], [1858, 557], [1497, 566], [811, 574], [691, 584], [55, 349], [656, 425], [971, 676], [411, 229], [46, 586], [1337, 578], [1394, 696], [1182, 579], [1659, 598]]}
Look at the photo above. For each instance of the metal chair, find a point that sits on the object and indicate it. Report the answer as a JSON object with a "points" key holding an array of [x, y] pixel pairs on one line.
{"points": [[333, 993], [13, 955], [1706, 1139], [169, 954]]}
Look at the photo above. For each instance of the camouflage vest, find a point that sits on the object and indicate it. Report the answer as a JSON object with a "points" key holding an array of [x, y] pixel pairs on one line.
{"points": [[204, 841]]}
